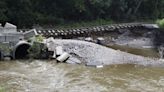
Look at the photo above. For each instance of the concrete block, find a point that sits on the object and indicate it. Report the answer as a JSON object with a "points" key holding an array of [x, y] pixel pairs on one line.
{"points": [[2, 38], [100, 40], [59, 50], [9, 28], [63, 57], [54, 55], [89, 39], [13, 37], [30, 33]]}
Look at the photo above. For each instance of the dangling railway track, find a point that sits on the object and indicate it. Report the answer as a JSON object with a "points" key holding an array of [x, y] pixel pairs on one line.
{"points": [[68, 33]]}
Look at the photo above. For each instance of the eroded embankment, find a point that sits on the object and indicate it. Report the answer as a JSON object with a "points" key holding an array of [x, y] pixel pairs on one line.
{"points": [[86, 52]]}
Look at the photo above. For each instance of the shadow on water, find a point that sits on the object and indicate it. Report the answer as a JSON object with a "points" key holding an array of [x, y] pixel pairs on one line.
{"points": [[143, 52]]}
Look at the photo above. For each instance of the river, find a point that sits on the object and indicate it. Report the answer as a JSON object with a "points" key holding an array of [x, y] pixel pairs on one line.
{"points": [[49, 76]]}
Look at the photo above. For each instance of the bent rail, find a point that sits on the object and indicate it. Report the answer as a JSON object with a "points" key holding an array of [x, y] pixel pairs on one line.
{"points": [[86, 30]]}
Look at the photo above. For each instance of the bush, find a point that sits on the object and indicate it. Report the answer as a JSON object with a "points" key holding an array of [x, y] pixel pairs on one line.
{"points": [[37, 46], [34, 50], [160, 23], [39, 38]]}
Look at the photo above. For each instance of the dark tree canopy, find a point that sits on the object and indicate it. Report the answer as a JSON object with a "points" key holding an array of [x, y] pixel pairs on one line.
{"points": [[26, 13]]}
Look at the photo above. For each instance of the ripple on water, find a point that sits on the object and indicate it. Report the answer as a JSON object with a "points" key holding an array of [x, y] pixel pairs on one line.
{"points": [[47, 76]]}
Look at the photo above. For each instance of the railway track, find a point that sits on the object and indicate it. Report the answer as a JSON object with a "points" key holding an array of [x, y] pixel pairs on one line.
{"points": [[68, 33]]}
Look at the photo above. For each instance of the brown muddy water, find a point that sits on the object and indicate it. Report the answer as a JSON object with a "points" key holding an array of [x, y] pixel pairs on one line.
{"points": [[48, 76]]}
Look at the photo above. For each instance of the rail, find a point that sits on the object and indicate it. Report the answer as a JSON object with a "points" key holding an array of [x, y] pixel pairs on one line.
{"points": [[86, 30]]}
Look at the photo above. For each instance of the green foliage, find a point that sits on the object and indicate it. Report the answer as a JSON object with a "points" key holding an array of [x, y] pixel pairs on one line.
{"points": [[34, 50], [26, 13], [37, 47], [39, 38], [37, 50], [5, 47], [160, 23], [2, 89]]}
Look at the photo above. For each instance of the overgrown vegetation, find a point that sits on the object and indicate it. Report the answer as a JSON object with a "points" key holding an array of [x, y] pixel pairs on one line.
{"points": [[26, 13], [160, 23], [5, 48], [35, 51]]}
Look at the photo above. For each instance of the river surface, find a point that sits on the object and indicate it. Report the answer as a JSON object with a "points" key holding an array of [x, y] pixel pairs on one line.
{"points": [[49, 76]]}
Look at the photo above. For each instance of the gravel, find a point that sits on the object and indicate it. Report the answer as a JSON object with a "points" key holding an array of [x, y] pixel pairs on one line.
{"points": [[87, 52]]}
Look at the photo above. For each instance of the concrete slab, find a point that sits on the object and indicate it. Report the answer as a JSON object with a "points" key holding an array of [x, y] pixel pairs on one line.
{"points": [[30, 33], [9, 28]]}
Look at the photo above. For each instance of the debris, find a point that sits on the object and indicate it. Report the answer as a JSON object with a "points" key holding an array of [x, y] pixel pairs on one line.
{"points": [[100, 40], [161, 60], [161, 51], [30, 33], [89, 39], [73, 60], [54, 55], [147, 47], [63, 57], [150, 26], [59, 50], [99, 66], [95, 64], [95, 55], [50, 44]]}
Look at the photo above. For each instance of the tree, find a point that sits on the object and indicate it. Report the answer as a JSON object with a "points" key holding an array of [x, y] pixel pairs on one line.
{"points": [[26, 13], [3, 11]]}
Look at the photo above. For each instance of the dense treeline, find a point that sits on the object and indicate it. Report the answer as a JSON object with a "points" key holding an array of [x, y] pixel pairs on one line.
{"points": [[26, 13]]}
